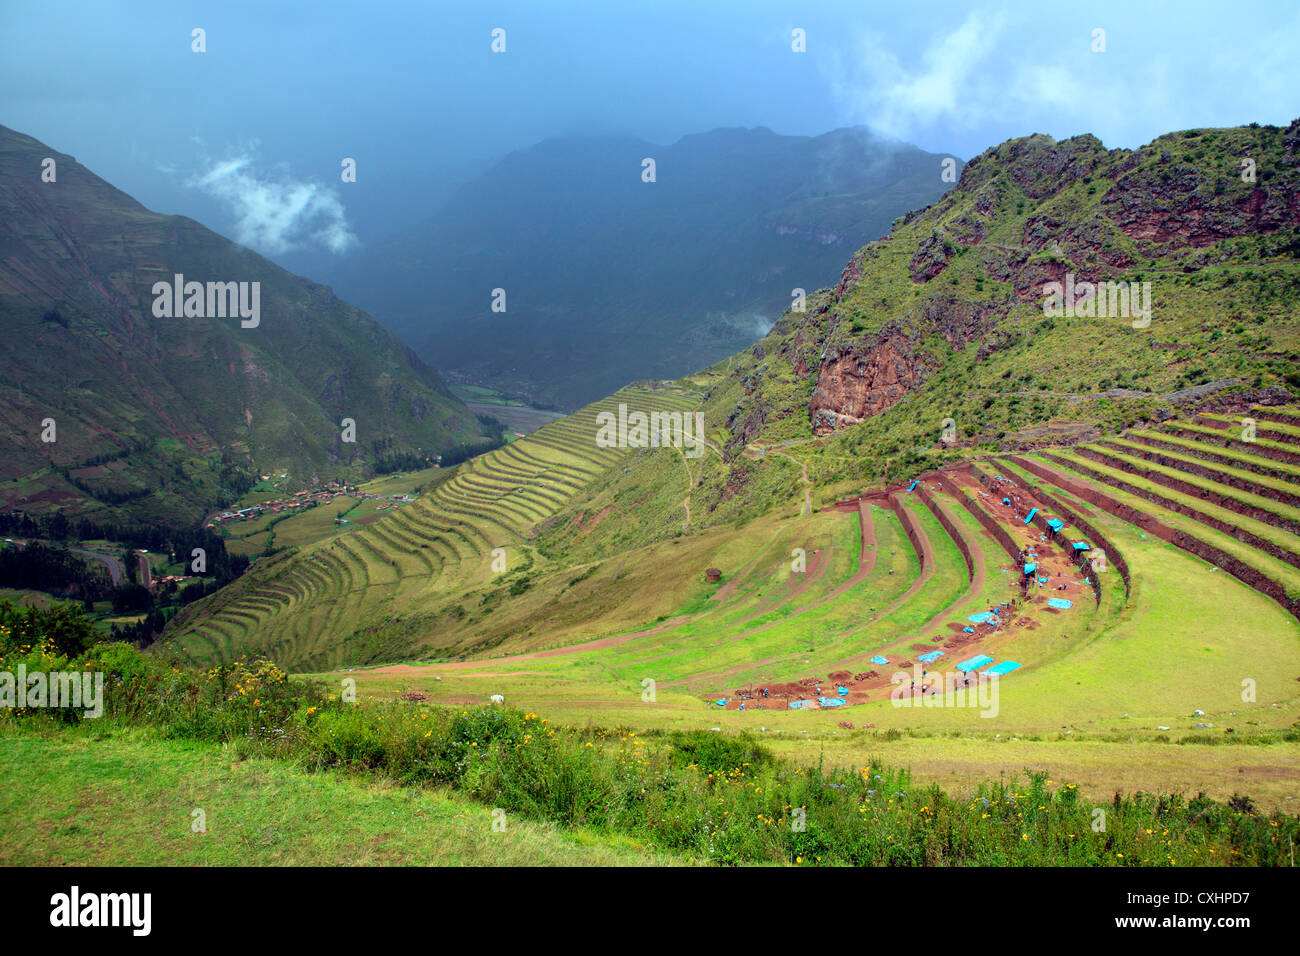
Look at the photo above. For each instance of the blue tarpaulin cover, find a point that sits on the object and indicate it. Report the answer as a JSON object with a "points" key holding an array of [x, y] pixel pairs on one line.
{"points": [[912, 485], [931, 657], [1030, 568], [1081, 546], [979, 618], [974, 663], [721, 702], [1004, 668], [842, 691], [880, 659], [1059, 602], [1055, 524], [1030, 517], [969, 629], [801, 705], [830, 701]]}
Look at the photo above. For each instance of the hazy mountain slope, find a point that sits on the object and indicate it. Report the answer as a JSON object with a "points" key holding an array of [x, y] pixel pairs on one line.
{"points": [[610, 279], [164, 414]]}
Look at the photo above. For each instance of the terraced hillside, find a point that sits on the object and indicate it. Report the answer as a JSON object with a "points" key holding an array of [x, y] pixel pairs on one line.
{"points": [[1076, 588], [400, 585]]}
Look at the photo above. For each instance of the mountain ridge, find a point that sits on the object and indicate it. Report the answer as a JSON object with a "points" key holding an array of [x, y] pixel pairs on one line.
{"points": [[186, 410], [609, 279]]}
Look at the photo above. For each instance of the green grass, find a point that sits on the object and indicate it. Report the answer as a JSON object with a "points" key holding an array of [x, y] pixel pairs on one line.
{"points": [[128, 797]]}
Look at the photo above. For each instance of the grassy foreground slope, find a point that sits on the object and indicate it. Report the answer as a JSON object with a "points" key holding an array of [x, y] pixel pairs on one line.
{"points": [[707, 796], [129, 799]]}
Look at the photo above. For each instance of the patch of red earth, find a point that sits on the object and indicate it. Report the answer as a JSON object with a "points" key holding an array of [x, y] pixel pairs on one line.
{"points": [[596, 519]]}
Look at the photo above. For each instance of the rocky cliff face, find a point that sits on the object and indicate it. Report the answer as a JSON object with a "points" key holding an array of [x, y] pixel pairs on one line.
{"points": [[859, 382]]}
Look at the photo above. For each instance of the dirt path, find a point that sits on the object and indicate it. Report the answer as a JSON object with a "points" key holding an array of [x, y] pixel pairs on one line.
{"points": [[866, 549], [807, 485], [690, 483]]}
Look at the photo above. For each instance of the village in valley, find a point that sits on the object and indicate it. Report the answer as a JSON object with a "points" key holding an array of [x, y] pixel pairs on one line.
{"points": [[307, 498]]}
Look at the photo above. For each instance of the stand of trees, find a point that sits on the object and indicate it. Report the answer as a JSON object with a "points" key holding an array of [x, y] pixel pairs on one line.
{"points": [[47, 565]]}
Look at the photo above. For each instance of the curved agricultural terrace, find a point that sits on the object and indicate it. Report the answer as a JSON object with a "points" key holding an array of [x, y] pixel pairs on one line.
{"points": [[957, 604]]}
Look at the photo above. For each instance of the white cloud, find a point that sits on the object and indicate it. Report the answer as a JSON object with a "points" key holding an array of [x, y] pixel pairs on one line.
{"points": [[991, 76], [275, 214]]}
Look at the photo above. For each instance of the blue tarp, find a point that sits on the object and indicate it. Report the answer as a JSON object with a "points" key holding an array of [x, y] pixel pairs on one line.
{"points": [[721, 702], [842, 691], [970, 630], [974, 663], [880, 659], [1005, 667], [1081, 546], [1062, 603], [801, 705], [1030, 568], [912, 485], [1055, 524], [1030, 517], [979, 618], [830, 701], [1043, 580], [931, 657]]}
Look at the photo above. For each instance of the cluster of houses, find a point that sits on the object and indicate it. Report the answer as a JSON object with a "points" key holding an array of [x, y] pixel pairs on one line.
{"points": [[295, 502]]}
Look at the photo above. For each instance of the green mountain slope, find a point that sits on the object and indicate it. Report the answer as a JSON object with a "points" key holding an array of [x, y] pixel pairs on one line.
{"points": [[166, 417]]}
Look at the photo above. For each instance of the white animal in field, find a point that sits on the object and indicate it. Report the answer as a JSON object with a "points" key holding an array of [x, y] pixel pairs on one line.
{"points": [[498, 699]]}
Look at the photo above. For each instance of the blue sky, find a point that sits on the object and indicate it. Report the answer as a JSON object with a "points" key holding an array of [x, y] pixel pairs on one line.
{"points": [[248, 136]]}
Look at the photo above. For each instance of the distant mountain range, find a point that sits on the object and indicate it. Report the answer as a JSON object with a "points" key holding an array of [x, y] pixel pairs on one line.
{"points": [[608, 278], [163, 417]]}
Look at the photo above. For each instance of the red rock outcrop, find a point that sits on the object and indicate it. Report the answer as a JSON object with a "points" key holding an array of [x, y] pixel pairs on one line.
{"points": [[858, 384]]}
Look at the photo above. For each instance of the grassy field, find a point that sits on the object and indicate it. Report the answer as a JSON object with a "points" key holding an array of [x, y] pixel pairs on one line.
{"points": [[128, 798]]}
